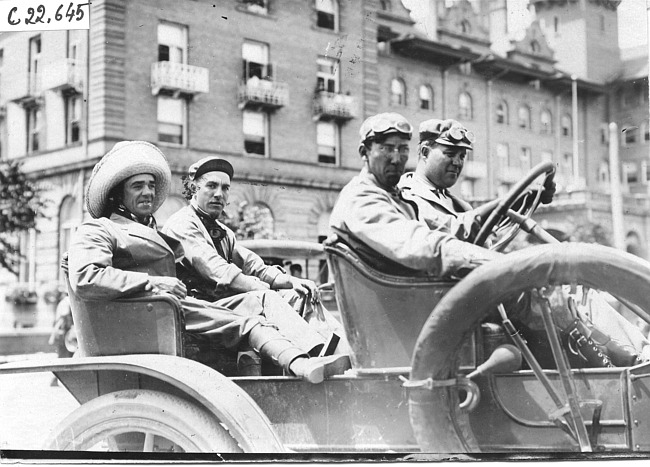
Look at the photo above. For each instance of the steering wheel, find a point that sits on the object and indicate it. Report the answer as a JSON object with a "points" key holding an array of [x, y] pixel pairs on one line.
{"points": [[498, 220]]}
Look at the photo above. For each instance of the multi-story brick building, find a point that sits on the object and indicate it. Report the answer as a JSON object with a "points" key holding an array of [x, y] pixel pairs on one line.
{"points": [[280, 87]]}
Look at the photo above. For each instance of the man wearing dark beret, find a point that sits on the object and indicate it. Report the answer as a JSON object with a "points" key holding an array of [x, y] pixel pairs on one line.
{"points": [[120, 253], [224, 272]]}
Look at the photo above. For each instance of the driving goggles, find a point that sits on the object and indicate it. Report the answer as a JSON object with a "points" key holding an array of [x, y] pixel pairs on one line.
{"points": [[381, 126], [456, 134]]}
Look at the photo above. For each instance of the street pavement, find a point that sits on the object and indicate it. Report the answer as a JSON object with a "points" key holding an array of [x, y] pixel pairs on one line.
{"points": [[30, 408]]}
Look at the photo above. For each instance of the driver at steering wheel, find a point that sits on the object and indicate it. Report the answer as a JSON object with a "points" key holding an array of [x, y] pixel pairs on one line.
{"points": [[441, 157], [442, 150]]}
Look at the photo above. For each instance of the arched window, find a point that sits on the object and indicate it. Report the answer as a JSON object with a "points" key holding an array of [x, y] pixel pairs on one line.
{"points": [[523, 117], [426, 97], [565, 122], [327, 14], [397, 92], [257, 221], [465, 111], [546, 122], [69, 219], [502, 113], [465, 27]]}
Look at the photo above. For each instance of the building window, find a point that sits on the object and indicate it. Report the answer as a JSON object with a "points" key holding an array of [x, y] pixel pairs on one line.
{"points": [[556, 24], [426, 97], [256, 60], [565, 122], [72, 119], [524, 158], [465, 27], [646, 132], [523, 117], [630, 172], [465, 111], [34, 122], [397, 92], [631, 135], [604, 134], [327, 141], [546, 122], [502, 113], [172, 120], [327, 75], [603, 172], [255, 132], [567, 164], [34, 64], [327, 14], [385, 5], [503, 155], [172, 43]]}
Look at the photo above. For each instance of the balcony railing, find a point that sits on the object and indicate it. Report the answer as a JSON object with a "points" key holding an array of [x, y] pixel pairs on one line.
{"points": [[64, 75], [475, 169], [179, 78], [262, 93], [334, 106]]}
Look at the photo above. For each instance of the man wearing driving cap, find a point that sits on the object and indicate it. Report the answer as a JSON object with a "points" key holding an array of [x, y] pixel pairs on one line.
{"points": [[374, 217], [441, 156], [120, 253], [442, 150], [226, 273]]}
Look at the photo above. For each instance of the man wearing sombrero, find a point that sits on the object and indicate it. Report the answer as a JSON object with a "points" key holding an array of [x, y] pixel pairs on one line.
{"points": [[120, 253], [228, 274]]}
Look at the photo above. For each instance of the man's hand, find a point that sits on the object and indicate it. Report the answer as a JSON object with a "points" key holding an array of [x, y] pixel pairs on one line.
{"points": [[164, 284], [302, 286], [548, 191]]}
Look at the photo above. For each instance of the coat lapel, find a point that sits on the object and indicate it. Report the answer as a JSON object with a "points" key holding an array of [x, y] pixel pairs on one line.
{"points": [[141, 231]]}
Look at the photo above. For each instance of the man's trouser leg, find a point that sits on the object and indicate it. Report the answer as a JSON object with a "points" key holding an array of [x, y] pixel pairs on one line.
{"points": [[278, 313]]}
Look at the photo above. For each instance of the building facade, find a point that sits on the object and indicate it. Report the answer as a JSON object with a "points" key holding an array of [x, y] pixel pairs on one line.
{"points": [[280, 87]]}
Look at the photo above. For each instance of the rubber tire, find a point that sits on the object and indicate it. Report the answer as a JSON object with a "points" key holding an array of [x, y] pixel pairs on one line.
{"points": [[176, 419], [437, 423]]}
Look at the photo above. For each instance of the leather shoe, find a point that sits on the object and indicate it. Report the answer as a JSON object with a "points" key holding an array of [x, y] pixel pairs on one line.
{"points": [[316, 369]]}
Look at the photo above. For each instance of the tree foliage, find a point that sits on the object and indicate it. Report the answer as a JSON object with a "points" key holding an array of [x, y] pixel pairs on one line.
{"points": [[20, 205]]}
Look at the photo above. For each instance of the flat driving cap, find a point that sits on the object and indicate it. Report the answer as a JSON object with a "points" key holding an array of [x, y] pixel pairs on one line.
{"points": [[384, 124], [126, 159], [448, 132], [210, 164]]}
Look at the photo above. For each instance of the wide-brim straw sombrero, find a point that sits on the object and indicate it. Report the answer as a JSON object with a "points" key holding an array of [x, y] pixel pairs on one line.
{"points": [[126, 159]]}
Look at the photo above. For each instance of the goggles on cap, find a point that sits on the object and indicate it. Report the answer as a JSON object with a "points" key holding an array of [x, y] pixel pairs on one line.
{"points": [[456, 134], [382, 125]]}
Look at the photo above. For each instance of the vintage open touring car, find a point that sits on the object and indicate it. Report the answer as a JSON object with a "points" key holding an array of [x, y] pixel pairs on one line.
{"points": [[430, 373]]}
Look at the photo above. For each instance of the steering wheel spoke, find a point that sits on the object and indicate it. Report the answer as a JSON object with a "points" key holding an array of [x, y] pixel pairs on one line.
{"points": [[518, 197]]}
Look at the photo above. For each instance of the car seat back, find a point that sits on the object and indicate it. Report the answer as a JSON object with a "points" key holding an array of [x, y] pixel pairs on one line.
{"points": [[140, 325], [382, 313]]}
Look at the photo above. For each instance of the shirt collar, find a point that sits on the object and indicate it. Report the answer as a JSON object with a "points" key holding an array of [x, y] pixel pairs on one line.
{"points": [[431, 186]]}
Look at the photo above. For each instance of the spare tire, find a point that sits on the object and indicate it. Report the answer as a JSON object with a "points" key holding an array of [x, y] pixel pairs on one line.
{"points": [[439, 426]]}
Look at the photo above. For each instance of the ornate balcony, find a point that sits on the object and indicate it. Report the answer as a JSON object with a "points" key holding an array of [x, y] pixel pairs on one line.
{"points": [[179, 78], [66, 76], [475, 169], [333, 106], [262, 94]]}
